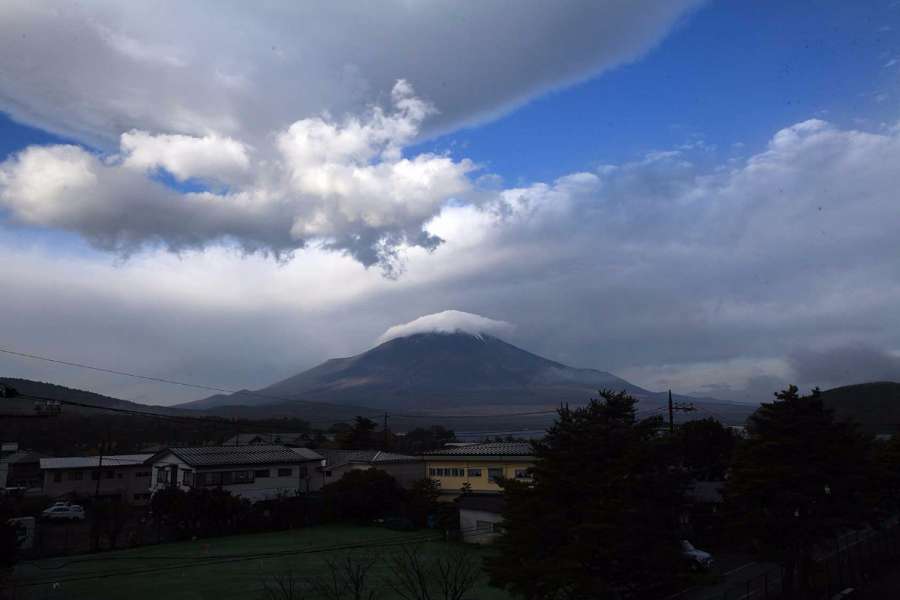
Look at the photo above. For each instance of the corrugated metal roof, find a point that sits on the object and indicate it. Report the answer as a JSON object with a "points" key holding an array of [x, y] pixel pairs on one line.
{"points": [[306, 453], [208, 456], [489, 449], [336, 458], [84, 462]]}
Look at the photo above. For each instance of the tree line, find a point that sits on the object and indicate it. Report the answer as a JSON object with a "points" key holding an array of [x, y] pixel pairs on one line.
{"points": [[601, 517]]}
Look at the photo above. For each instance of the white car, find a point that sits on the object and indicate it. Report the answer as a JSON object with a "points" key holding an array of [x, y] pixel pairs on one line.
{"points": [[64, 512], [697, 558]]}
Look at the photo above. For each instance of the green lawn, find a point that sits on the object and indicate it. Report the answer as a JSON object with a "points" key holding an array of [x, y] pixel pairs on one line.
{"points": [[182, 569]]}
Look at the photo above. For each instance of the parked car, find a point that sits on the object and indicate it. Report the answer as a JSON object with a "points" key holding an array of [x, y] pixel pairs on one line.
{"points": [[64, 512], [698, 559]]}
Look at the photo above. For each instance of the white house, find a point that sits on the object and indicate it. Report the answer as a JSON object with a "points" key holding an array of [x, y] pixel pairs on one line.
{"points": [[253, 472]]}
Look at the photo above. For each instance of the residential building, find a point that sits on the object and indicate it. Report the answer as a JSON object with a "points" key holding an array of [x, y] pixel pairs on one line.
{"points": [[124, 477], [480, 517], [479, 465], [255, 472], [23, 469], [402, 467]]}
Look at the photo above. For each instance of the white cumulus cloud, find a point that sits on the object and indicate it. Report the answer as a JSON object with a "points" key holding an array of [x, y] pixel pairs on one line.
{"points": [[210, 157], [342, 184]]}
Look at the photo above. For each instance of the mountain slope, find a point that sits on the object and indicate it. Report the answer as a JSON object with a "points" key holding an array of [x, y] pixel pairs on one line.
{"points": [[41, 389], [876, 405], [438, 371]]}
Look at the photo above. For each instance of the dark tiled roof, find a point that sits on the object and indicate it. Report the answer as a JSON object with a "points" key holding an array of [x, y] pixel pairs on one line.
{"points": [[210, 456], [492, 503], [83, 462], [336, 458], [489, 449]]}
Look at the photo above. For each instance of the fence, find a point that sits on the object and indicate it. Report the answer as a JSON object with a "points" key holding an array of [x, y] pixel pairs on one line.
{"points": [[855, 559]]}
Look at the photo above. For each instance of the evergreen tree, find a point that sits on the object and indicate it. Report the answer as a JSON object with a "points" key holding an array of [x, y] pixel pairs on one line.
{"points": [[360, 436], [599, 519], [798, 481], [706, 447]]}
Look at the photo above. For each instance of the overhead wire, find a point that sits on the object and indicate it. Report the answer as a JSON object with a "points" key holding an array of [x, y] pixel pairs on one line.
{"points": [[376, 413]]}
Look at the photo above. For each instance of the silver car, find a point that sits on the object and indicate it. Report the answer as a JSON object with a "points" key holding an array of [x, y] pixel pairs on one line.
{"points": [[64, 512]]}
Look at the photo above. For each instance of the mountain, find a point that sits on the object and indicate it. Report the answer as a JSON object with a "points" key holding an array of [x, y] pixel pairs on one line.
{"points": [[876, 405], [442, 372], [28, 389]]}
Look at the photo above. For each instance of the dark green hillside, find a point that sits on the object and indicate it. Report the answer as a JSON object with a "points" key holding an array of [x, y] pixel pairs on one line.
{"points": [[876, 405]]}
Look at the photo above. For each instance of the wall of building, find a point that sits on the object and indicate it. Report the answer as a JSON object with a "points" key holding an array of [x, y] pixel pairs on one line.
{"points": [[478, 526], [404, 472], [260, 488], [452, 474], [131, 484]]}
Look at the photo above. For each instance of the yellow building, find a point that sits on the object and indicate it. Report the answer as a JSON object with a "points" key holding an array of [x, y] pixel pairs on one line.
{"points": [[479, 465]]}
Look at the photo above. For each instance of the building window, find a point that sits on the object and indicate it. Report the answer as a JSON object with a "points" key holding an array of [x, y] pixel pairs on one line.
{"points": [[474, 472], [95, 475], [484, 527], [142, 496], [495, 473], [162, 475], [57, 476], [303, 471], [261, 473], [328, 473], [76, 475], [109, 474], [285, 472], [142, 474], [120, 475], [522, 474], [243, 477], [187, 478], [208, 479]]}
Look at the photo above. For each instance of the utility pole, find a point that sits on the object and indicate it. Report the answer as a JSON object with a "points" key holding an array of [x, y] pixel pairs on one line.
{"points": [[681, 406], [671, 417], [100, 466]]}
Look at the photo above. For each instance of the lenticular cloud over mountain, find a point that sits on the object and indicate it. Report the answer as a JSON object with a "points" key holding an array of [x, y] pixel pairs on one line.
{"points": [[448, 321]]}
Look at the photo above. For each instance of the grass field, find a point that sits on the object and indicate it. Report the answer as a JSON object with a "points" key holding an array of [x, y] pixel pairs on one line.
{"points": [[219, 568]]}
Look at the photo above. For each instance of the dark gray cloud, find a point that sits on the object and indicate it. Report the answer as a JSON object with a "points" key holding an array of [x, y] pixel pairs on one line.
{"points": [[851, 363]]}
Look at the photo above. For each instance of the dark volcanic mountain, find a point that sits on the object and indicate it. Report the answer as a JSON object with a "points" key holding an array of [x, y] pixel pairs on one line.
{"points": [[875, 406], [440, 371]]}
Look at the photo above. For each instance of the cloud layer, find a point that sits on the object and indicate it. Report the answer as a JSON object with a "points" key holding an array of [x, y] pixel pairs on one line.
{"points": [[449, 321], [96, 70], [730, 279]]}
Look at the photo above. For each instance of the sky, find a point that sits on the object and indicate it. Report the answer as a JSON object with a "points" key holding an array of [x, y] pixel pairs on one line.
{"points": [[696, 195]]}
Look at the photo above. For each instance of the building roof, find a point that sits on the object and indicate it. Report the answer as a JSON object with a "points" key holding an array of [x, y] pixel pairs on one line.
{"points": [[489, 449], [492, 503], [336, 458], [212, 456], [245, 439], [86, 462]]}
